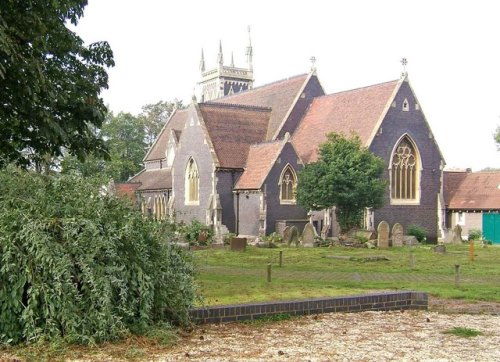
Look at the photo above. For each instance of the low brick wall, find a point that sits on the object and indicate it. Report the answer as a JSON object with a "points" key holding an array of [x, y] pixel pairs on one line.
{"points": [[356, 303]]}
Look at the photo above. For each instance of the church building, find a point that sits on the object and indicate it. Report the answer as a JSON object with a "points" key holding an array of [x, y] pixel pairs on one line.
{"points": [[231, 160]]}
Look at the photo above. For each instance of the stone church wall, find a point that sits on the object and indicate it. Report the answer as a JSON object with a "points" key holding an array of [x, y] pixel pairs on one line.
{"points": [[397, 123]]}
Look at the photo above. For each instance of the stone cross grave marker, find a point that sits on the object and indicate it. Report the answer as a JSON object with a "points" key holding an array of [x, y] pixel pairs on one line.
{"points": [[397, 235], [308, 235], [287, 235], [383, 235]]}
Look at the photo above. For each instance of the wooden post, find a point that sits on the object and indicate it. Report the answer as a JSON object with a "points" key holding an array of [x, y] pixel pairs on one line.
{"points": [[471, 250], [281, 258], [457, 275], [269, 273], [412, 260]]}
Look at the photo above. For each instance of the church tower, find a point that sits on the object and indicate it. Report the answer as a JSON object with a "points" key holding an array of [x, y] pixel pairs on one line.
{"points": [[225, 80]]}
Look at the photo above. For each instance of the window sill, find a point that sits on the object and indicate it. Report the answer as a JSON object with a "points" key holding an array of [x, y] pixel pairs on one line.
{"points": [[288, 202], [405, 202], [192, 203]]}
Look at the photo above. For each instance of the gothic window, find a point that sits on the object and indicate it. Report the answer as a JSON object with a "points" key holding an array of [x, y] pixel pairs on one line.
{"points": [[192, 182], [406, 105], [288, 185], [405, 169]]}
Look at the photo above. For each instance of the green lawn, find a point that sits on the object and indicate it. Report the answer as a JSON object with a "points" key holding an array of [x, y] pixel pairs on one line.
{"points": [[228, 277]]}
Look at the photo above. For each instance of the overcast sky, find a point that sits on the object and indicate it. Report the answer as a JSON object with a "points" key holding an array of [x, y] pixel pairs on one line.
{"points": [[452, 47]]}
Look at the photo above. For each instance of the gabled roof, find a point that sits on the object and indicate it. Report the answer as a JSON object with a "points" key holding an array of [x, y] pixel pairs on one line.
{"points": [[472, 191], [358, 111], [154, 179], [175, 123], [232, 129], [261, 158], [280, 96]]}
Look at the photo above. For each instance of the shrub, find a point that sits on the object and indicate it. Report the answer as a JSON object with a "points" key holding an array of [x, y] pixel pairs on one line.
{"points": [[475, 234], [418, 232], [83, 266], [192, 232]]}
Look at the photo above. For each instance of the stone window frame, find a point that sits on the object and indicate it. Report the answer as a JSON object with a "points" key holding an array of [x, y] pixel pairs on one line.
{"points": [[288, 170], [192, 183], [415, 175]]}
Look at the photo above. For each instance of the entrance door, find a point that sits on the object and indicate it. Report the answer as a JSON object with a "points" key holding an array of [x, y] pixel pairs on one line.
{"points": [[491, 227]]}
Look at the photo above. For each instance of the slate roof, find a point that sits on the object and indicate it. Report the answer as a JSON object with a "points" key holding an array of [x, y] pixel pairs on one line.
{"points": [[175, 122], [279, 96], [232, 129], [356, 111], [154, 179], [472, 190], [261, 158]]}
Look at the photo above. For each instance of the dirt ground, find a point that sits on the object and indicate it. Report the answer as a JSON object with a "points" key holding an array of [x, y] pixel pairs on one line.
{"points": [[366, 336]]}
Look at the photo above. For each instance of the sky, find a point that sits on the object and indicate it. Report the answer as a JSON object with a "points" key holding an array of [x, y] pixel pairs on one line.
{"points": [[452, 48]]}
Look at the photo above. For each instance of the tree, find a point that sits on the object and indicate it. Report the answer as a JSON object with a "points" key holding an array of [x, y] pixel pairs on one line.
{"points": [[497, 137], [124, 139], [79, 264], [50, 82], [154, 117], [347, 176]]}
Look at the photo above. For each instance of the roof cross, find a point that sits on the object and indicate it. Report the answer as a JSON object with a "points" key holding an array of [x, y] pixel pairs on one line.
{"points": [[404, 63], [313, 64]]}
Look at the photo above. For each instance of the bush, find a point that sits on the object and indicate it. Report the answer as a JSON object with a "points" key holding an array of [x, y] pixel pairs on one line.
{"points": [[418, 232], [80, 265], [475, 234], [193, 231]]}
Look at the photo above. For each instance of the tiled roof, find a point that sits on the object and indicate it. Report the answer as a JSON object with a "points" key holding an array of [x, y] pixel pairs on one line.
{"points": [[176, 123], [356, 111], [126, 190], [261, 158], [279, 96], [154, 179], [472, 190], [232, 129]]}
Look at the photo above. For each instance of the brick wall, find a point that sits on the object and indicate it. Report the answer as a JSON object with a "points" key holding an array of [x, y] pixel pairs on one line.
{"points": [[358, 303]]}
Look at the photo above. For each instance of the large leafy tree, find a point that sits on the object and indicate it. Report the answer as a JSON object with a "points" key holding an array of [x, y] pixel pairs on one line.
{"points": [[347, 176], [125, 141], [50, 82], [154, 117], [497, 137]]}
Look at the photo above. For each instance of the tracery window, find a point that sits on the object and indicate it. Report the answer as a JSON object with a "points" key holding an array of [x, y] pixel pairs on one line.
{"points": [[405, 171], [192, 182], [288, 184]]}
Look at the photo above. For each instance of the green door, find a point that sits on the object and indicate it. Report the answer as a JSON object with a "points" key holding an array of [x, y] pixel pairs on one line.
{"points": [[491, 227]]}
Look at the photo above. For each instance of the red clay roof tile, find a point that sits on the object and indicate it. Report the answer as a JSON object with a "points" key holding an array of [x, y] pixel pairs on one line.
{"points": [[155, 179], [472, 190], [355, 111]]}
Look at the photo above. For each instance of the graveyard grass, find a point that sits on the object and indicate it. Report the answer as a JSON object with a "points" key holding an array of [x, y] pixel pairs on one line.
{"points": [[227, 277]]}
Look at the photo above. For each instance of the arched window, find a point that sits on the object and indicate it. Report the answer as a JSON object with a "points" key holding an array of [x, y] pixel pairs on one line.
{"points": [[288, 185], [405, 171], [192, 182]]}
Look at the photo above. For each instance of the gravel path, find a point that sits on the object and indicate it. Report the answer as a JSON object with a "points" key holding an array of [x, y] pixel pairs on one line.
{"points": [[367, 336]]}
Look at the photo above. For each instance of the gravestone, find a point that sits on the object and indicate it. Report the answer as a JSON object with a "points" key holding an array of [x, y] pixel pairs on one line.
{"points": [[294, 236], [238, 244], [410, 240], [324, 231], [308, 235], [287, 235], [383, 235], [397, 235], [440, 249], [457, 235]]}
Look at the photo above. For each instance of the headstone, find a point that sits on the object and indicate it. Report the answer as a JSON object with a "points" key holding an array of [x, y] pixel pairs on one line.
{"points": [[238, 244], [383, 235], [410, 240], [308, 235], [441, 249], [457, 235], [294, 236], [287, 235], [324, 231], [397, 235]]}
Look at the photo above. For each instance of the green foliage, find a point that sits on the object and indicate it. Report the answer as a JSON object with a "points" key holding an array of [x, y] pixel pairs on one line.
{"points": [[124, 137], [347, 176], [475, 234], [463, 332], [50, 83], [273, 238], [192, 232], [227, 238], [417, 231], [83, 266], [497, 137]]}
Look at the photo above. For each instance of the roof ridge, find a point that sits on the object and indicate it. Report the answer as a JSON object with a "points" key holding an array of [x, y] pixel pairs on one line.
{"points": [[235, 105], [265, 143], [262, 86], [358, 88]]}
